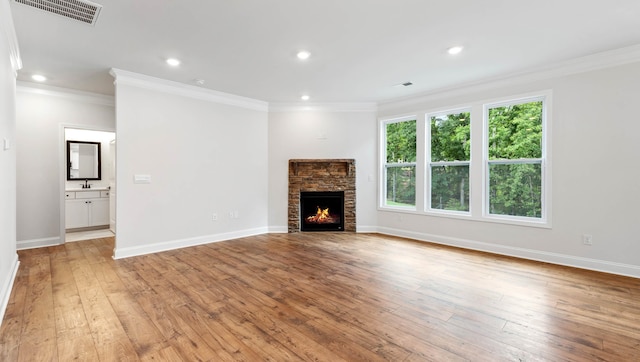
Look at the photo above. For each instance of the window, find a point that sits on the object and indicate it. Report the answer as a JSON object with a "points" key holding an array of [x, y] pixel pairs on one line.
{"points": [[435, 166], [450, 155], [400, 163], [515, 158]]}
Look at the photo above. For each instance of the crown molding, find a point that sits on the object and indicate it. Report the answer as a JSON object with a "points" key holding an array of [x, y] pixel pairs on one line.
{"points": [[7, 27], [323, 107], [69, 94], [602, 60], [593, 62], [123, 77]]}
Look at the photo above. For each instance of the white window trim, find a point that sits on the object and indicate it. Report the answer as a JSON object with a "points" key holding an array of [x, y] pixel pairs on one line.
{"points": [[430, 164], [382, 195], [545, 219], [477, 211]]}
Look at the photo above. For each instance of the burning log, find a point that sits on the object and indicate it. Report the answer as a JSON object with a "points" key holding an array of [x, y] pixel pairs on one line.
{"points": [[322, 216]]}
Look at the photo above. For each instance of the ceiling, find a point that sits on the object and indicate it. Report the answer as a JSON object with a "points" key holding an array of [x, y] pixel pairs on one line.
{"points": [[360, 49]]}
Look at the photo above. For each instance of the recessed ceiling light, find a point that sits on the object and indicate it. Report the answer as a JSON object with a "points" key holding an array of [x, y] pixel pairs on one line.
{"points": [[173, 62], [303, 54], [39, 78], [454, 50], [305, 97]]}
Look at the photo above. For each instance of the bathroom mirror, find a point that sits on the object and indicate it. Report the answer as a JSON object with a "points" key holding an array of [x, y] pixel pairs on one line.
{"points": [[83, 160]]}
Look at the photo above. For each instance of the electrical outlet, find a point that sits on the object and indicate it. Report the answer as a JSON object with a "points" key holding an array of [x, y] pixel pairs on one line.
{"points": [[587, 239], [214, 217]]}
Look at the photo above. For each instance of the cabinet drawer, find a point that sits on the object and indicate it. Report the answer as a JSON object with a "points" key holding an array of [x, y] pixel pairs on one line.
{"points": [[87, 194], [104, 193], [69, 195]]}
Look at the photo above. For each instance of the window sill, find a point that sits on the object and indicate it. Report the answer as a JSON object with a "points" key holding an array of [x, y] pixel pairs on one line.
{"points": [[493, 219]]}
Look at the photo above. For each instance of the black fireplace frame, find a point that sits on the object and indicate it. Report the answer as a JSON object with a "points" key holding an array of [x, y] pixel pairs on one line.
{"points": [[334, 196]]}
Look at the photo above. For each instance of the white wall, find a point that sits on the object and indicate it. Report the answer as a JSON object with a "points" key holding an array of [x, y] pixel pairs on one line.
{"points": [[41, 116], [595, 147], [9, 64], [323, 134], [205, 155]]}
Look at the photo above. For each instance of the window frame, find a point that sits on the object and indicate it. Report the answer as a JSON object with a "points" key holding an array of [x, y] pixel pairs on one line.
{"points": [[543, 161], [429, 164], [384, 165], [478, 161]]}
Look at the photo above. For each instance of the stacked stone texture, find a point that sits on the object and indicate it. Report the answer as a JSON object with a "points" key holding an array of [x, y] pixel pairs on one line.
{"points": [[322, 175]]}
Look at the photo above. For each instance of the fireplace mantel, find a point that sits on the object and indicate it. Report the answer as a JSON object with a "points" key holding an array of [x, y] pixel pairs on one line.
{"points": [[322, 175], [337, 166]]}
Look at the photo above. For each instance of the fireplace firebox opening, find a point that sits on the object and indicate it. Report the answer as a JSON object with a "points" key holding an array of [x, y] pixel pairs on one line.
{"points": [[322, 211]]}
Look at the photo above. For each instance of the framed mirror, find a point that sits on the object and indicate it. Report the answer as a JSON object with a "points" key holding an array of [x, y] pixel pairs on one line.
{"points": [[83, 160]]}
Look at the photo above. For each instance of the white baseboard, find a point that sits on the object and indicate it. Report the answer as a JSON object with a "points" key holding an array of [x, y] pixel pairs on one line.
{"points": [[38, 243], [366, 229], [278, 229], [119, 253], [7, 286], [530, 254]]}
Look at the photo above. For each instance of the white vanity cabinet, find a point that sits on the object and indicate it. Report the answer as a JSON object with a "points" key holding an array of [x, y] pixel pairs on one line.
{"points": [[86, 208]]}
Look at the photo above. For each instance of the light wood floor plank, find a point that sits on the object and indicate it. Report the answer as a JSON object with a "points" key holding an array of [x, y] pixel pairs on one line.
{"points": [[38, 336], [72, 328], [313, 297]]}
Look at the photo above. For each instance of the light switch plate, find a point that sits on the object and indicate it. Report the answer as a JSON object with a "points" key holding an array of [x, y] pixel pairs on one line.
{"points": [[141, 179]]}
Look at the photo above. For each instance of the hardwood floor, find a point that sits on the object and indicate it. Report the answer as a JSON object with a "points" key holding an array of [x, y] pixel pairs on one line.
{"points": [[315, 297]]}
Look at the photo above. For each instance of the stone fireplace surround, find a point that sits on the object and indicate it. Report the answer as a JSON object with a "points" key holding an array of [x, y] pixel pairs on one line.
{"points": [[322, 175]]}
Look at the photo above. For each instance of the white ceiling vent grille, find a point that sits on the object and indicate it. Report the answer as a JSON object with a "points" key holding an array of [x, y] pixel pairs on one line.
{"points": [[84, 11]]}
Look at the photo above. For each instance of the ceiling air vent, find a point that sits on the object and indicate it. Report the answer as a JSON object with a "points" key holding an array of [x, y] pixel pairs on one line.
{"points": [[84, 11]]}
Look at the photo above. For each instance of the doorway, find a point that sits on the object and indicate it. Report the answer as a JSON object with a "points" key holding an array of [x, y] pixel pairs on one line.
{"points": [[88, 192]]}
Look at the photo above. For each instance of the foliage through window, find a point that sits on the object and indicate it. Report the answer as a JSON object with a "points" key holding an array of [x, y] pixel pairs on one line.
{"points": [[450, 157], [480, 161], [515, 159], [400, 163]]}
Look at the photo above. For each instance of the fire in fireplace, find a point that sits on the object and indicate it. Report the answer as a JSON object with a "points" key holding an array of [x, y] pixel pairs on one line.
{"points": [[322, 211]]}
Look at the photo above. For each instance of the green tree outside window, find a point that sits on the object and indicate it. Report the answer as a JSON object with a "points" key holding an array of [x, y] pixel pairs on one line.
{"points": [[400, 165], [450, 156], [515, 159]]}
